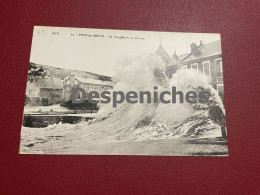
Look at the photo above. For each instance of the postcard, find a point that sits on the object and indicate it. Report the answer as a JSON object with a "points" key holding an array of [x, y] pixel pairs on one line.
{"points": [[123, 92]]}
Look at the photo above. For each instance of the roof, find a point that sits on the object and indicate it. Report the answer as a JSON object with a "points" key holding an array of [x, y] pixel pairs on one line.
{"points": [[163, 54], [183, 56], [175, 59], [50, 83], [94, 81], [207, 50], [170, 61]]}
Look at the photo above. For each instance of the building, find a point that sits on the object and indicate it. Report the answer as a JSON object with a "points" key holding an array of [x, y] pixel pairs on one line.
{"points": [[206, 58], [44, 91], [87, 84], [171, 63]]}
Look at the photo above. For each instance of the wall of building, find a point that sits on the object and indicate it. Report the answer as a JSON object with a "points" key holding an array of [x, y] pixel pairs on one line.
{"points": [[214, 69], [68, 84], [32, 95], [74, 83], [54, 96]]}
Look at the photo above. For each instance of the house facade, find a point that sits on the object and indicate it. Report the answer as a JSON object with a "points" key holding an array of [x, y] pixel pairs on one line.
{"points": [[207, 59], [87, 84], [44, 91]]}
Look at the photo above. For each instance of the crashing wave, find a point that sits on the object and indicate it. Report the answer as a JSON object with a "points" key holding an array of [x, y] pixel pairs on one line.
{"points": [[158, 121]]}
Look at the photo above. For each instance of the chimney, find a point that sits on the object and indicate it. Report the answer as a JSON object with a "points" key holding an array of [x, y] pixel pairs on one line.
{"points": [[174, 56], [201, 44], [194, 49]]}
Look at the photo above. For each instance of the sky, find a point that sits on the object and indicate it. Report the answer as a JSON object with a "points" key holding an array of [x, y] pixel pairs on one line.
{"points": [[79, 49]]}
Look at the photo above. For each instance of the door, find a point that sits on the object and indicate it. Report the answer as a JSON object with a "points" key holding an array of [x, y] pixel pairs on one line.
{"points": [[45, 101]]}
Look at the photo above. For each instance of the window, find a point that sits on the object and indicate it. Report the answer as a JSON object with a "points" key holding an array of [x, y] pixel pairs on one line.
{"points": [[219, 66], [206, 68], [33, 93], [195, 66]]}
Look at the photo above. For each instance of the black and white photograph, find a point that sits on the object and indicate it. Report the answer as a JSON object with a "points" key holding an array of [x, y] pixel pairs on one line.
{"points": [[123, 92]]}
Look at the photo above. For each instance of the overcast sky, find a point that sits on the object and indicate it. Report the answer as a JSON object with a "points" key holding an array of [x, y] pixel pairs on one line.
{"points": [[68, 48]]}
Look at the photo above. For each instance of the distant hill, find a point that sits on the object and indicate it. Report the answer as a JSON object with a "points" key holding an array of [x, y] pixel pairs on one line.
{"points": [[62, 73]]}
